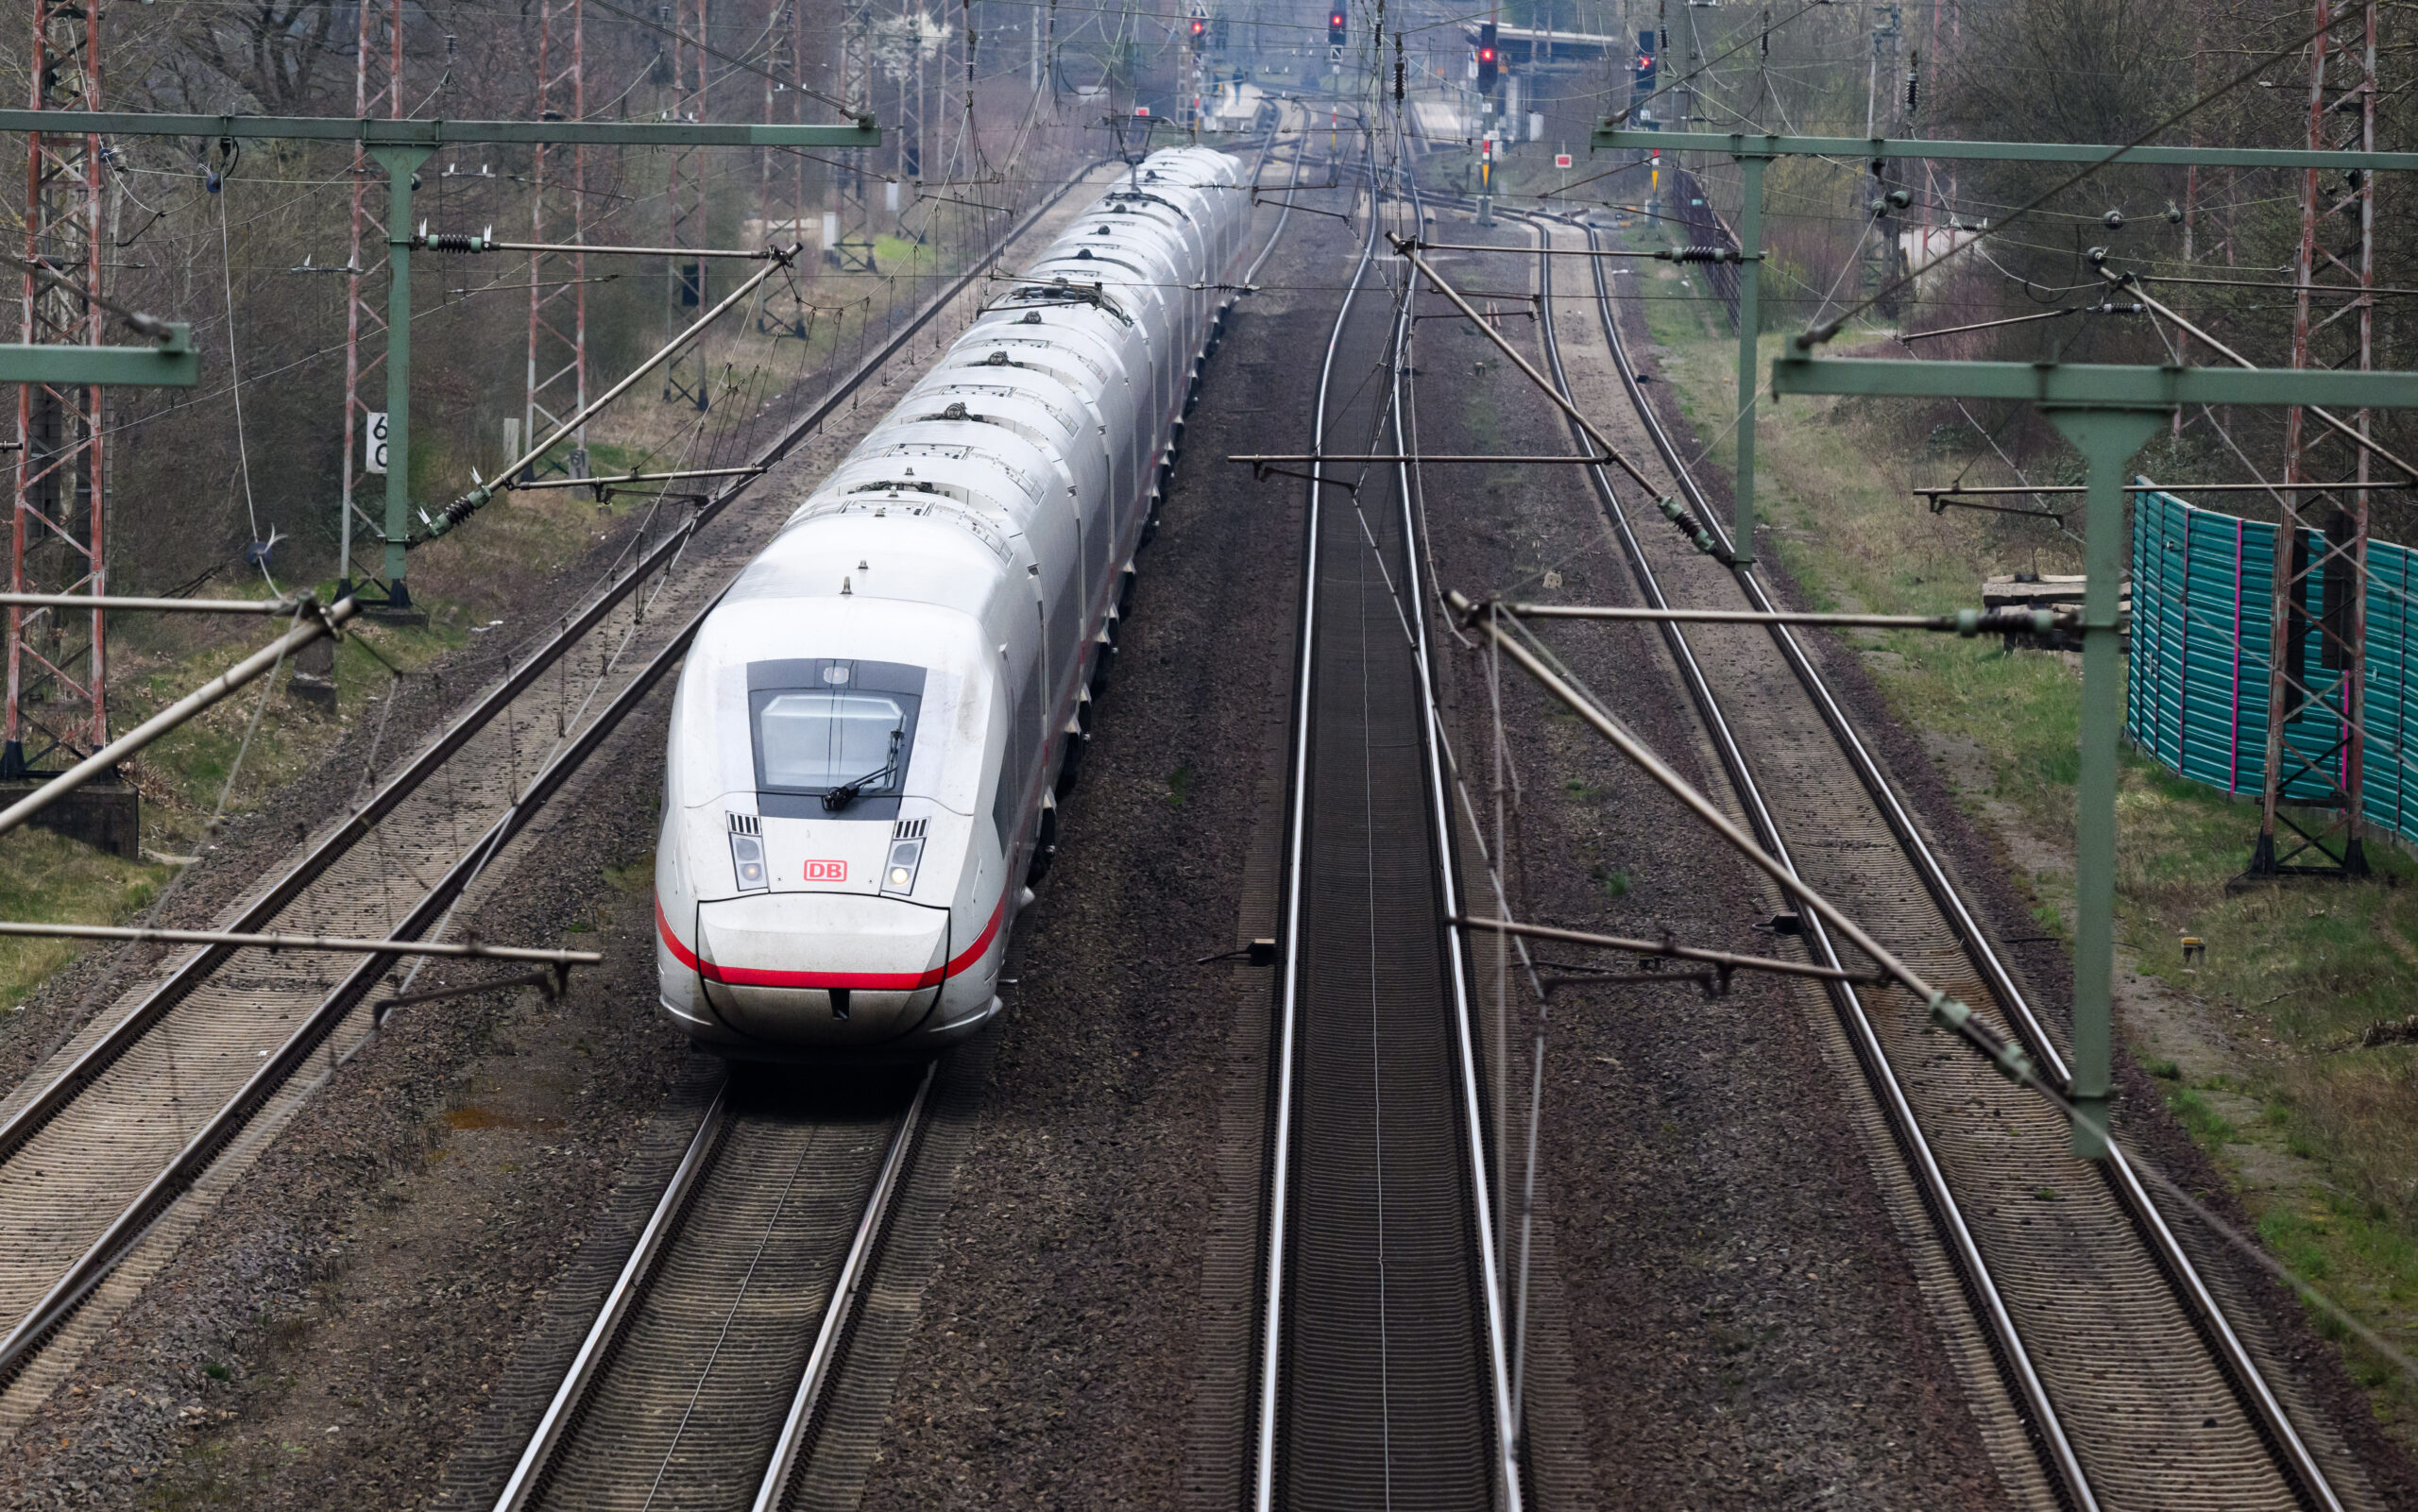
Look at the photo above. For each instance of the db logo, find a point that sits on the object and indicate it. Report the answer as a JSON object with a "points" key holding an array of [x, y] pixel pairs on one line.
{"points": [[826, 870]]}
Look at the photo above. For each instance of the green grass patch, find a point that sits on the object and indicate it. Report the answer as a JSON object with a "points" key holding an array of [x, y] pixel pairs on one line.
{"points": [[2207, 1126], [2306, 967]]}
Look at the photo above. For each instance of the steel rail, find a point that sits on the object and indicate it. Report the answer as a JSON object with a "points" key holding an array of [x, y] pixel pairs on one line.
{"points": [[99, 1056], [822, 1363], [2014, 1358], [2248, 1381], [1500, 1351], [595, 1350], [77, 1285], [534, 1473], [1271, 1337]]}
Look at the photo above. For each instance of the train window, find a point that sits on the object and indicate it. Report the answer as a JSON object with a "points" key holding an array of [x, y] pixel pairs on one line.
{"points": [[836, 732], [820, 740]]}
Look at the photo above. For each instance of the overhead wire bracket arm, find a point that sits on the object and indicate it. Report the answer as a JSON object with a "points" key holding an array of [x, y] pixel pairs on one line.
{"points": [[485, 242], [1985, 490], [618, 479], [331, 945], [1603, 443], [1963, 623], [1987, 325], [477, 499], [1663, 254], [1670, 948], [1259, 459], [2341, 427], [283, 607], [2009, 1057], [315, 623]]}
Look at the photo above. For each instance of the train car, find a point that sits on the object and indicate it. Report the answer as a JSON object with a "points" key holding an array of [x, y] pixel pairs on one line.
{"points": [[871, 727]]}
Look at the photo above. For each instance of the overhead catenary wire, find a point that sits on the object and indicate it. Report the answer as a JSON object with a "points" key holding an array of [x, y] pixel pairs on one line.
{"points": [[1807, 340], [259, 554]]}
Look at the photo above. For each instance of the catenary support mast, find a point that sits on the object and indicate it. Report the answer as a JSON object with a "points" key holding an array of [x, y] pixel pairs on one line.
{"points": [[685, 375], [558, 216], [58, 658], [376, 90], [2329, 331]]}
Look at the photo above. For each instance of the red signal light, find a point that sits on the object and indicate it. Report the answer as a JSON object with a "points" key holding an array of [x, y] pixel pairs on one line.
{"points": [[1486, 55]]}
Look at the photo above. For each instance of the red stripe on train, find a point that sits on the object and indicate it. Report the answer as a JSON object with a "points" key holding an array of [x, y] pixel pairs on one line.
{"points": [[878, 981]]}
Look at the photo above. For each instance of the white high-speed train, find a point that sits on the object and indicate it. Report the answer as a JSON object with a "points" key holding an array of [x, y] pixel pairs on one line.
{"points": [[871, 728]]}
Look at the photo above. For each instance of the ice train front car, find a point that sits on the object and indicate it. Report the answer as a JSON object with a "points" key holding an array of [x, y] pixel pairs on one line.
{"points": [[871, 728]]}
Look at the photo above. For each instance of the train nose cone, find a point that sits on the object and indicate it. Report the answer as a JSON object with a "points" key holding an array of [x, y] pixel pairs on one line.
{"points": [[822, 968]]}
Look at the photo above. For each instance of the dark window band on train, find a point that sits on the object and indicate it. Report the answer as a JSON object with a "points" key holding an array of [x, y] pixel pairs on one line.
{"points": [[832, 737]]}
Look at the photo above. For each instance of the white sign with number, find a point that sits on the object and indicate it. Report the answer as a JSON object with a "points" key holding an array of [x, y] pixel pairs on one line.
{"points": [[373, 443]]}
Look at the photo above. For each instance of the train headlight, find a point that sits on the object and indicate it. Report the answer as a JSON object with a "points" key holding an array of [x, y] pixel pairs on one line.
{"points": [[898, 872], [747, 859]]}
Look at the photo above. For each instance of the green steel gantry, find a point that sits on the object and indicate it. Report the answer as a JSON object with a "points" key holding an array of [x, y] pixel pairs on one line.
{"points": [[2107, 412], [399, 146], [168, 363], [1755, 151]]}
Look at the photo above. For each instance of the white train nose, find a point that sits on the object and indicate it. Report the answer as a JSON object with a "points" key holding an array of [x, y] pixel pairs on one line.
{"points": [[822, 967]]}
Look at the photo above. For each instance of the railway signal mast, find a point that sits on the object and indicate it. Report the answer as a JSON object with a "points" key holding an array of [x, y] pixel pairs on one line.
{"points": [[1488, 73], [1196, 44], [2338, 249], [57, 659]]}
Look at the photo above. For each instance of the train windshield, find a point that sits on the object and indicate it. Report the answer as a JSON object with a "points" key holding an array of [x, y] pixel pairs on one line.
{"points": [[832, 737], [813, 741]]}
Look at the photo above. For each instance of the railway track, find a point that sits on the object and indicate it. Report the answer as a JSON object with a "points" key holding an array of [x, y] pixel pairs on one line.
{"points": [[2104, 1371], [1381, 1376], [703, 1381], [169, 1091]]}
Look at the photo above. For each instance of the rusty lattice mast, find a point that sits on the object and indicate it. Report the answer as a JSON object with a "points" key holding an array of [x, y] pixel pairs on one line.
{"points": [[558, 216], [2332, 327], [57, 533], [685, 375], [376, 90]]}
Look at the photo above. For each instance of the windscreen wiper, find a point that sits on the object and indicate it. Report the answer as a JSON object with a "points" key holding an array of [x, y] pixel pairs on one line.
{"points": [[848, 792]]}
